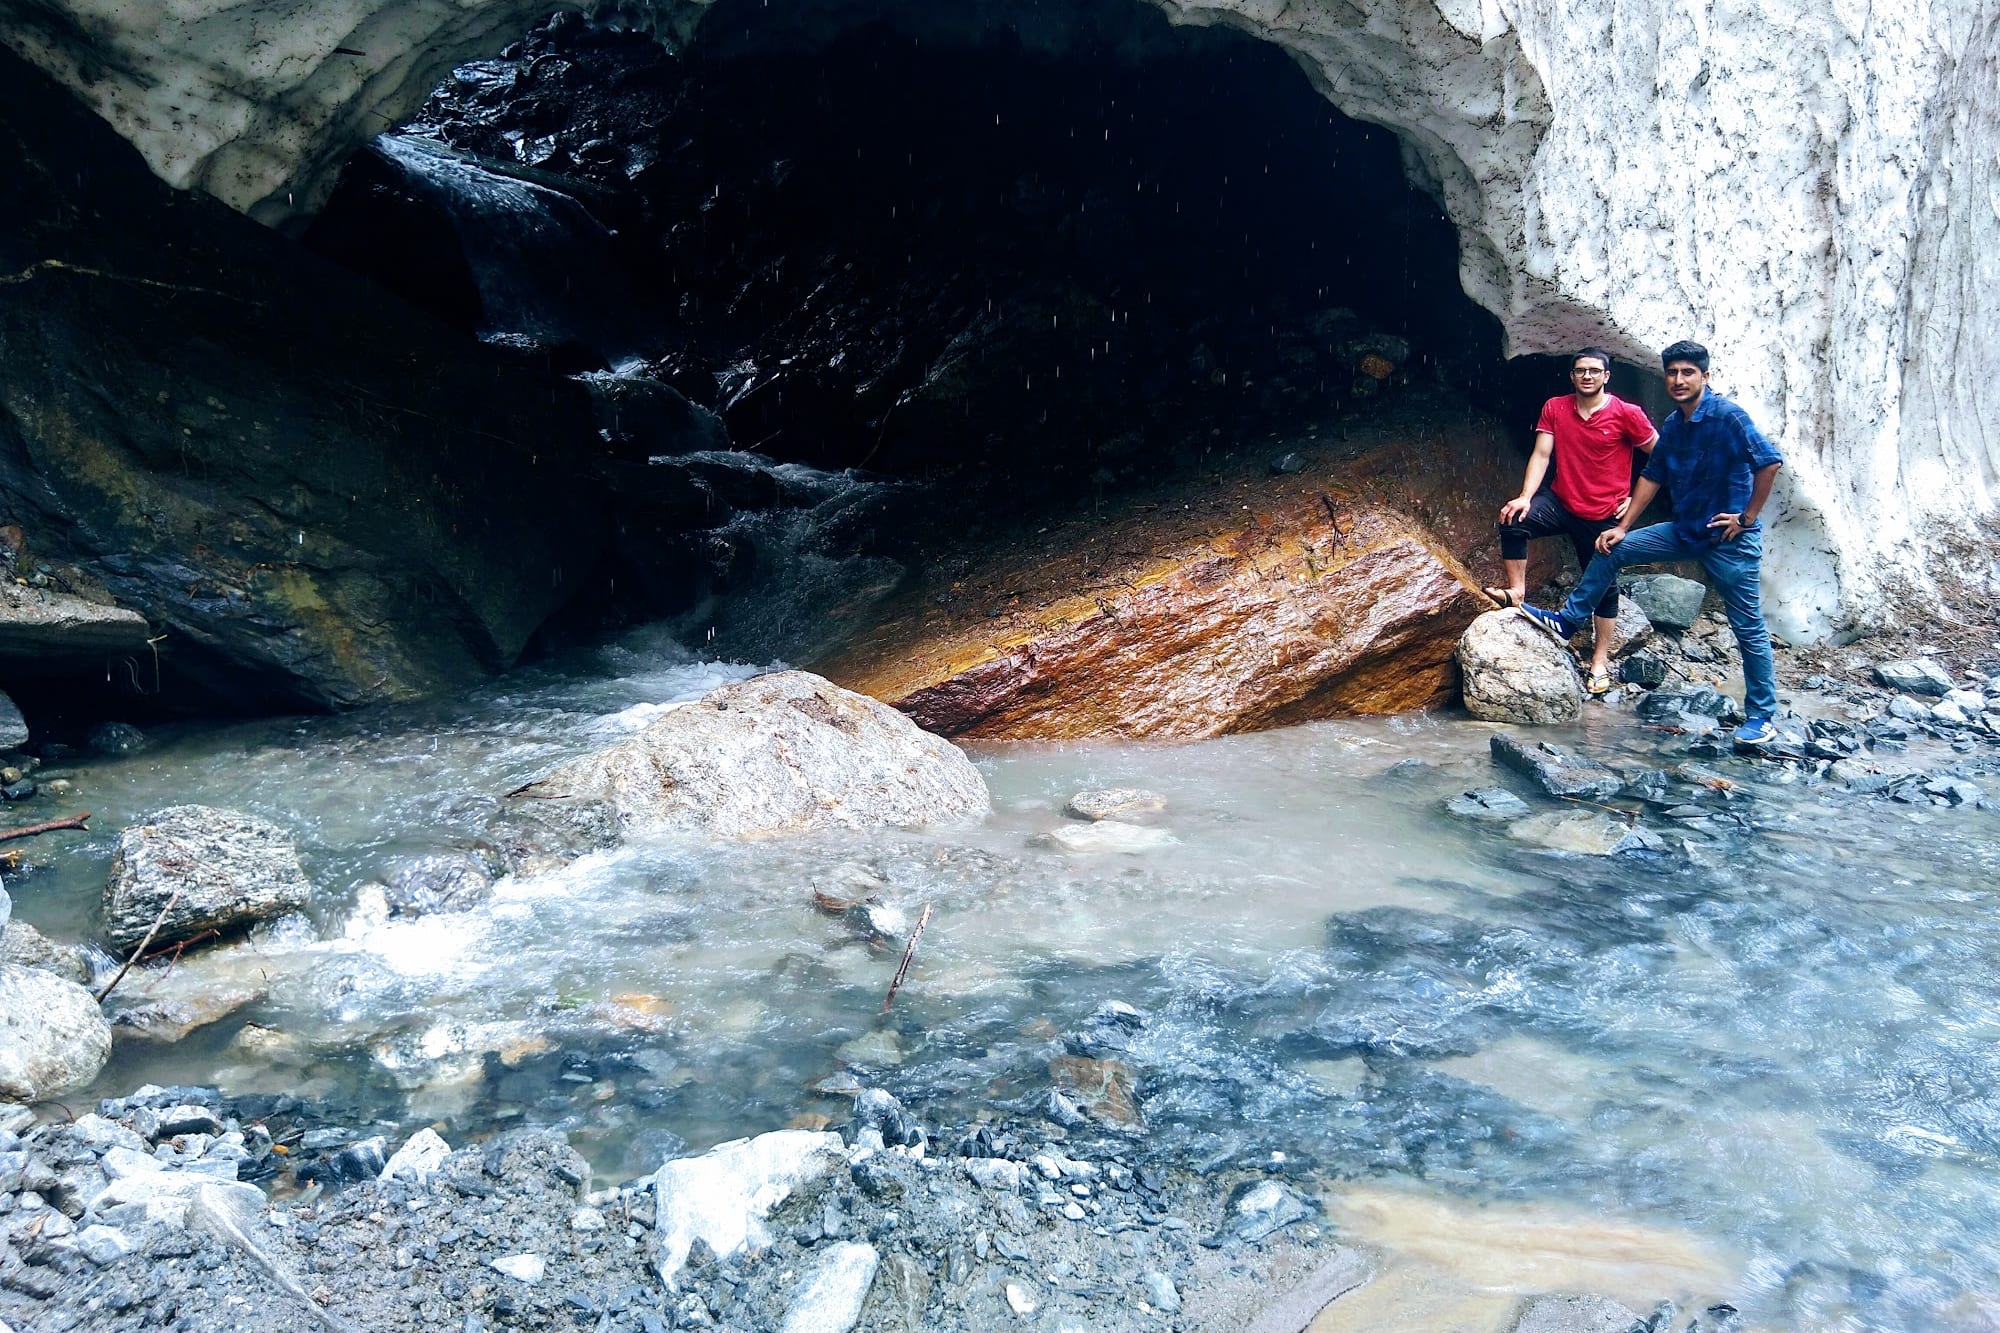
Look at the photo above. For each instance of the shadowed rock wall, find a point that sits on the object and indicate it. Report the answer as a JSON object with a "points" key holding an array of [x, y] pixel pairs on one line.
{"points": [[322, 498], [1799, 184]]}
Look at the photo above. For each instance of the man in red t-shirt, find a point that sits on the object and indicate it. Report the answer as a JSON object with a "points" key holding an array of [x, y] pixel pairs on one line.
{"points": [[1591, 437]]}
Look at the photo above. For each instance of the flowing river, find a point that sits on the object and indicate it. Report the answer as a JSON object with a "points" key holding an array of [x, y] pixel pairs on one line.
{"points": [[1761, 1067]]}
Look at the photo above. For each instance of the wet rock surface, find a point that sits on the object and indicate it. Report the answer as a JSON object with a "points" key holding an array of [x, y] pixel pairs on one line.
{"points": [[223, 434], [199, 871], [1312, 597], [52, 1037], [784, 753]]}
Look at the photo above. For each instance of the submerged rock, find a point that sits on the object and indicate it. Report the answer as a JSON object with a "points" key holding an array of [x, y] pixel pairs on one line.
{"points": [[780, 754], [1585, 833], [1109, 835], [1556, 771], [1575, 1314], [228, 869], [1514, 672], [52, 1036], [1115, 803], [1488, 804]]}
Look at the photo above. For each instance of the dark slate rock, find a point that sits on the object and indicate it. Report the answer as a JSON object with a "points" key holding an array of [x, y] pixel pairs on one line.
{"points": [[1556, 771], [1643, 670]]}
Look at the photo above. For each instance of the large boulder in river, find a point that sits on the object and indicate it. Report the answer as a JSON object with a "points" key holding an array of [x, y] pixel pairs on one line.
{"points": [[1515, 672], [228, 869], [52, 1035], [1272, 601], [778, 754]]}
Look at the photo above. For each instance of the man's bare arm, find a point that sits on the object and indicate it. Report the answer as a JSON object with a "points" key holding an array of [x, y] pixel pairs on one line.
{"points": [[1538, 467]]}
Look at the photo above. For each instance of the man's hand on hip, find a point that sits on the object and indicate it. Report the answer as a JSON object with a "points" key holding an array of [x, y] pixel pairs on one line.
{"points": [[1731, 526]]}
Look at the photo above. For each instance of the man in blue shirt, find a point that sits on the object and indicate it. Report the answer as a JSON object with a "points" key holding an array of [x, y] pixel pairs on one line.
{"points": [[1718, 468]]}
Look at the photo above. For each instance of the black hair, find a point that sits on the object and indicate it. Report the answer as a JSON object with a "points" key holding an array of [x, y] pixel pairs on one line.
{"points": [[1684, 350], [1597, 352]]}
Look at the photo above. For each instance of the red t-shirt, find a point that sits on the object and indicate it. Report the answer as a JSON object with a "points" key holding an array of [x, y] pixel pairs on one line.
{"points": [[1593, 459]]}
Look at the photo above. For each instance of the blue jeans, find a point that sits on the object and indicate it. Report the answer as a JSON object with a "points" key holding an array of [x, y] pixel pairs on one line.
{"points": [[1733, 572]]}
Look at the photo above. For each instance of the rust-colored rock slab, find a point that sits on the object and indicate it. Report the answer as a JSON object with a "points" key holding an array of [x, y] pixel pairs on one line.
{"points": [[1323, 601]]}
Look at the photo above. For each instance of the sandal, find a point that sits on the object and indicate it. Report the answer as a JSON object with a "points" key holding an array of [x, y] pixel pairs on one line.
{"points": [[1599, 683], [1504, 596]]}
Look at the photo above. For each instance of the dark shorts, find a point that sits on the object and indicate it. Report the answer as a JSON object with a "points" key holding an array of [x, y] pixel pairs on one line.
{"points": [[1550, 517]]}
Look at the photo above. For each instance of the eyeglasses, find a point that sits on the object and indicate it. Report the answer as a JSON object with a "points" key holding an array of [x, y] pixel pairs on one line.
{"points": [[1588, 372]]}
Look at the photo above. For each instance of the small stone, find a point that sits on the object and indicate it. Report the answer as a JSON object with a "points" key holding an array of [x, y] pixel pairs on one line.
{"points": [[1290, 465], [1946, 712], [1115, 803], [1644, 670], [527, 1268], [13, 727], [1160, 1291], [586, 1220], [1021, 1298], [19, 791], [1670, 602], [103, 1245], [421, 1155], [1073, 1212]]}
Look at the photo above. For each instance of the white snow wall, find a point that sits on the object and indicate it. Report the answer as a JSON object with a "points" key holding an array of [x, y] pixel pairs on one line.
{"points": [[1810, 187]]}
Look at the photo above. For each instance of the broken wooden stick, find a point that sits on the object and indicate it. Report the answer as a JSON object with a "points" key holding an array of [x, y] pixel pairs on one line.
{"points": [[47, 826], [134, 956], [909, 952]]}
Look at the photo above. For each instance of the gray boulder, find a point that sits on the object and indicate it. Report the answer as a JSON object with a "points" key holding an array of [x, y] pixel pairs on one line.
{"points": [[1513, 672], [52, 1036], [1915, 676], [13, 727], [230, 869], [24, 946], [1555, 771], [781, 754], [1670, 602]]}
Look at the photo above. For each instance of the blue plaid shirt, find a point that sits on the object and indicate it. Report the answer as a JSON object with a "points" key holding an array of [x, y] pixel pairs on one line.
{"points": [[1708, 463]]}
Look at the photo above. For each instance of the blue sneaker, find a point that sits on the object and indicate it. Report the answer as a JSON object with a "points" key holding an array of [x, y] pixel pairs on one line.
{"points": [[1550, 621], [1756, 731]]}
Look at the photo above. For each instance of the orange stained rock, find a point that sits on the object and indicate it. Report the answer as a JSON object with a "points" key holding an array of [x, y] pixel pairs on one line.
{"points": [[1321, 605]]}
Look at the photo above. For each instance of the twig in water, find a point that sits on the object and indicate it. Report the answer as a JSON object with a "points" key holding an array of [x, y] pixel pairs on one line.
{"points": [[158, 921], [48, 826], [909, 952]]}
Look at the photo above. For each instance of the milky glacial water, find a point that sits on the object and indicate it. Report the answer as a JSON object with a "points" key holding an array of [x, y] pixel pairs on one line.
{"points": [[1777, 1049]]}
